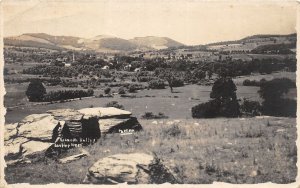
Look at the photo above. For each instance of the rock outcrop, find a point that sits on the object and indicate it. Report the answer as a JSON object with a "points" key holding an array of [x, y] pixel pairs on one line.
{"points": [[36, 133], [37, 127], [134, 168], [101, 113]]}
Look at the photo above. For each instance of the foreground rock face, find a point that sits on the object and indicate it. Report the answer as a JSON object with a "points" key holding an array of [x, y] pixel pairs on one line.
{"points": [[135, 168], [32, 148], [37, 132], [37, 127]]}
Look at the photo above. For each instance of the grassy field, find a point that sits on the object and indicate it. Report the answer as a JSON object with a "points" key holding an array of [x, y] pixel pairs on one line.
{"points": [[239, 80], [156, 101], [201, 151]]}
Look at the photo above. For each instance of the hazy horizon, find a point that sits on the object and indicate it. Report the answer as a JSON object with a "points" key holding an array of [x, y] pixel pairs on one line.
{"points": [[188, 22]]}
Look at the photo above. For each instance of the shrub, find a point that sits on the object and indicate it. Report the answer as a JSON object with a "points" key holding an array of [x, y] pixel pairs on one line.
{"points": [[144, 78], [177, 83], [253, 82], [206, 110], [251, 108], [66, 94], [274, 104], [90, 92], [150, 115], [128, 96], [173, 131], [115, 104], [132, 88], [156, 84], [121, 90], [107, 90], [280, 107]]}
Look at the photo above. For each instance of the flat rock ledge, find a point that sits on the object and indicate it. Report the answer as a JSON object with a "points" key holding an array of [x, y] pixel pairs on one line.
{"points": [[43, 133], [134, 168]]}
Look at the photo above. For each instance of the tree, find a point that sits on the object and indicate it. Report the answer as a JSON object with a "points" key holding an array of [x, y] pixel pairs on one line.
{"points": [[172, 77], [199, 74], [223, 88], [274, 103], [35, 91], [224, 101]]}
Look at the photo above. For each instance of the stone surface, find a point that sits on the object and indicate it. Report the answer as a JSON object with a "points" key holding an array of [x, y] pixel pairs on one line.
{"points": [[38, 127], [101, 112], [10, 131], [75, 128], [32, 148], [66, 114], [134, 168], [73, 157], [12, 146], [115, 125]]}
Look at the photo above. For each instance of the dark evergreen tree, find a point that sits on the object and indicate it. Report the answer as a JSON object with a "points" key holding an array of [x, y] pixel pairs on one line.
{"points": [[35, 91]]}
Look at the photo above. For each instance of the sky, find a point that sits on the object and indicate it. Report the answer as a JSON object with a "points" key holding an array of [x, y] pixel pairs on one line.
{"points": [[191, 22]]}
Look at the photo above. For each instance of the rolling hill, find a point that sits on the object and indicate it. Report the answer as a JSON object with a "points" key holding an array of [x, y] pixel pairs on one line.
{"points": [[100, 43], [155, 42], [253, 42]]}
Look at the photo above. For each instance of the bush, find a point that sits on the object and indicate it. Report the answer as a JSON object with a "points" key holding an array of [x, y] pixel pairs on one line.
{"points": [[107, 90], [121, 90], [115, 104], [132, 88], [150, 115], [66, 94], [274, 104], [281, 107], [173, 131], [206, 110], [177, 83], [156, 84], [253, 82], [144, 78], [251, 108]]}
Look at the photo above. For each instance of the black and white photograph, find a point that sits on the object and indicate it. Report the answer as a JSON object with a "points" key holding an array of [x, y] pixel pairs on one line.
{"points": [[111, 92]]}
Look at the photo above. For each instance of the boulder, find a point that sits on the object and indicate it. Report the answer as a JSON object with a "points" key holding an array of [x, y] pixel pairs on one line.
{"points": [[134, 168], [100, 112], [38, 127], [115, 125], [12, 146], [33, 148], [10, 131], [66, 114]]}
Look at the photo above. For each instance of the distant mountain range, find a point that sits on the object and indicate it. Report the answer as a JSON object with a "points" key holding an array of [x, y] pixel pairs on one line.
{"points": [[101, 43], [106, 43]]}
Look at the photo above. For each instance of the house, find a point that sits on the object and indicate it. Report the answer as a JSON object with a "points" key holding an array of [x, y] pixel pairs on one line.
{"points": [[138, 70], [67, 64], [106, 67], [127, 67]]}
